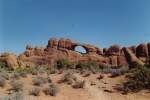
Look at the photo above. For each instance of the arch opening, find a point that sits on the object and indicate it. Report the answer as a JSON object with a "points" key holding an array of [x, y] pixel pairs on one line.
{"points": [[80, 49]]}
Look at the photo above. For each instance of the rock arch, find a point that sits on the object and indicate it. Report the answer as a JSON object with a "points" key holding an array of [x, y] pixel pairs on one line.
{"points": [[80, 46]]}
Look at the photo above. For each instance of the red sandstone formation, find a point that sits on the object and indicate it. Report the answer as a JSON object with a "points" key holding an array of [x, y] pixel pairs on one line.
{"points": [[65, 49]]}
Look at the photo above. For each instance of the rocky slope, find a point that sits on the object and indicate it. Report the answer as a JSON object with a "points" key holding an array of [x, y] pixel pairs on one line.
{"points": [[65, 49]]}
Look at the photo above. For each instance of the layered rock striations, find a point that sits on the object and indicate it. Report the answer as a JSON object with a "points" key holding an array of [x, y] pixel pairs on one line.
{"points": [[65, 49]]}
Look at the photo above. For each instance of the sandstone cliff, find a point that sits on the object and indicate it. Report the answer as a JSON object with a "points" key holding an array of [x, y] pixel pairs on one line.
{"points": [[65, 49]]}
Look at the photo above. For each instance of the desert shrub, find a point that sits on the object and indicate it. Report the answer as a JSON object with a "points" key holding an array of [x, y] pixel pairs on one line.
{"points": [[15, 76], [32, 70], [115, 71], [39, 80], [78, 84], [27, 70], [138, 79], [35, 91], [68, 78], [52, 70], [147, 63], [62, 63], [21, 71], [23, 74], [16, 96], [49, 80], [16, 85], [119, 71], [2, 64], [13, 96], [2, 81], [88, 65], [51, 90], [4, 75]]}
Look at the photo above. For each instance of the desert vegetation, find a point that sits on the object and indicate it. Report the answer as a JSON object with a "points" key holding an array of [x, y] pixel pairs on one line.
{"points": [[39, 81], [137, 79]]}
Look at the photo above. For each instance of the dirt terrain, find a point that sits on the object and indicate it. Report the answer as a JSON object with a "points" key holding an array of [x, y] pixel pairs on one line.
{"points": [[93, 89]]}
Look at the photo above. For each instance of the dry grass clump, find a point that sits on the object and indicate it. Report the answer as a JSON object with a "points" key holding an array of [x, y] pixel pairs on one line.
{"points": [[16, 85], [68, 78], [78, 84], [4, 75], [71, 79], [15, 76], [15, 96], [115, 71], [35, 91], [38, 81], [23, 74], [2, 81], [51, 90], [49, 80], [91, 66]]}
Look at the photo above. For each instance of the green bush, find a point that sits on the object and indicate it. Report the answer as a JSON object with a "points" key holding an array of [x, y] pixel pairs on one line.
{"points": [[138, 79], [63, 63], [88, 65], [2, 64]]}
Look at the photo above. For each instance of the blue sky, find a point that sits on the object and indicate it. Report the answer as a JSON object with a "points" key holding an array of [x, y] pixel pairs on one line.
{"points": [[98, 22]]}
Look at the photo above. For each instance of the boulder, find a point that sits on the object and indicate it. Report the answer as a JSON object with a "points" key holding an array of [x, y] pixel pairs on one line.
{"points": [[10, 60]]}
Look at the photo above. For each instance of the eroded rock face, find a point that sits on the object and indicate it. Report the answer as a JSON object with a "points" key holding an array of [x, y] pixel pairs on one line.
{"points": [[65, 49], [52, 43], [113, 50], [133, 49], [61, 43], [131, 58], [89, 48], [10, 60], [142, 50]]}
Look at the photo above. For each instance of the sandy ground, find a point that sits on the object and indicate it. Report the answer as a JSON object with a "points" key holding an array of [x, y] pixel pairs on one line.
{"points": [[89, 92]]}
